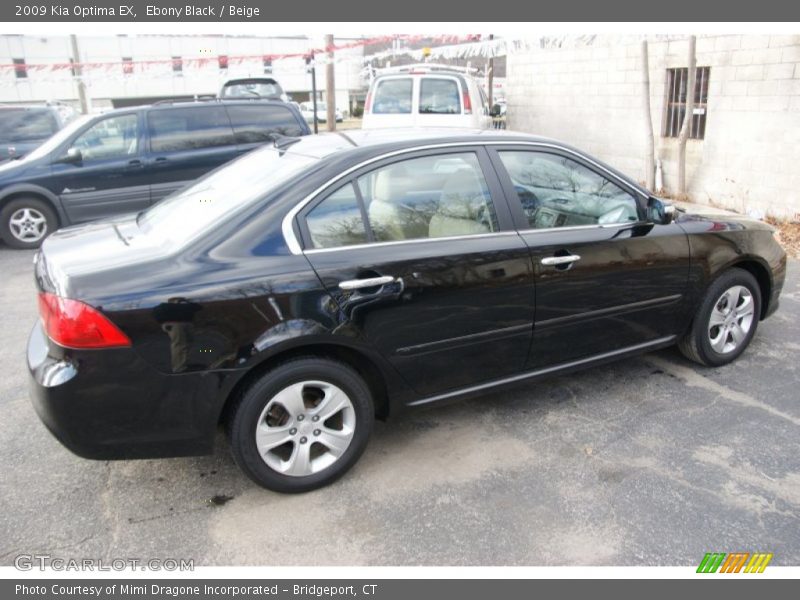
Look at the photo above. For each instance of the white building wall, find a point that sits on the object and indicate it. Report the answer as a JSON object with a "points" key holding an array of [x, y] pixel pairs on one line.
{"points": [[590, 96], [105, 84]]}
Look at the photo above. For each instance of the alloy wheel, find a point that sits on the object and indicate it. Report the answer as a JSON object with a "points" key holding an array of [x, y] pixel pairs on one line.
{"points": [[731, 319], [28, 225], [305, 428]]}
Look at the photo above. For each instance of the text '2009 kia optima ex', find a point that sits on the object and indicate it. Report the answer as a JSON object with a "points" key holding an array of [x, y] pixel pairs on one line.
{"points": [[318, 283]]}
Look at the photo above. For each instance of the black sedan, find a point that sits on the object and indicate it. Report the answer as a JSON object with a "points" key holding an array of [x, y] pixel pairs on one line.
{"points": [[314, 285]]}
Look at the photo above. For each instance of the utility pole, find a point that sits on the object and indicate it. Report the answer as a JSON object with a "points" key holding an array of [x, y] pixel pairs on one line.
{"points": [[77, 72], [314, 90], [330, 85], [688, 115], [649, 140], [490, 82]]}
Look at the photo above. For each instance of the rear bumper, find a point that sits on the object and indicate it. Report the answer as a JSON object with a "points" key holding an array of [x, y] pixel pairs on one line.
{"points": [[110, 404]]}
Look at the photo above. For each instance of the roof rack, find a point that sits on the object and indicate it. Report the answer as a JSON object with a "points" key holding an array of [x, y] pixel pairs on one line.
{"points": [[425, 68]]}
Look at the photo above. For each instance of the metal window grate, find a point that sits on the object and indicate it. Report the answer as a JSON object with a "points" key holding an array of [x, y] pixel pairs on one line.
{"points": [[675, 107]]}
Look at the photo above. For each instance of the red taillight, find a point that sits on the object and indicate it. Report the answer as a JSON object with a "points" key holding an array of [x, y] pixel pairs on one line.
{"points": [[368, 102], [467, 101], [73, 324]]}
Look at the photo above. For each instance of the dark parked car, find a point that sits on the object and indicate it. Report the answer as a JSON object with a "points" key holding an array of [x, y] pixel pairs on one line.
{"points": [[24, 127], [316, 284], [128, 159]]}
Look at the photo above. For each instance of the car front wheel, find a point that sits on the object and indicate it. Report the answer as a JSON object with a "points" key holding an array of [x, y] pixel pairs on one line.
{"points": [[726, 320], [25, 222], [301, 425]]}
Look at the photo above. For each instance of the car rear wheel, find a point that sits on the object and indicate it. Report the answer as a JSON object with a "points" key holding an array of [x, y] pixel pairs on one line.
{"points": [[726, 320], [25, 222], [302, 425]]}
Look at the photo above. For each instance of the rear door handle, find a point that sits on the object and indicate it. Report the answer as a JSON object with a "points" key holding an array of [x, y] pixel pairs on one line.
{"points": [[357, 284], [560, 260]]}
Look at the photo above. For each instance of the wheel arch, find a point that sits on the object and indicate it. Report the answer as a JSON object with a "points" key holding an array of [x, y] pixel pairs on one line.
{"points": [[365, 365], [758, 269], [26, 191]]}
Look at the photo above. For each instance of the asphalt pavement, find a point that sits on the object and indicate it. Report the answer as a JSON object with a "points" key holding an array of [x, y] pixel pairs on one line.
{"points": [[649, 461]]}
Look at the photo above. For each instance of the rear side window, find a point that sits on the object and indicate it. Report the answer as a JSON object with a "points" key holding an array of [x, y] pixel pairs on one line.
{"points": [[177, 129], [337, 220], [254, 124], [439, 97], [26, 125], [393, 97], [444, 195]]}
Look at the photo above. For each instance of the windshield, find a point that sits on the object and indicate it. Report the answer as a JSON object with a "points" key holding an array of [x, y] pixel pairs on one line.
{"points": [[56, 140], [181, 216], [26, 125]]}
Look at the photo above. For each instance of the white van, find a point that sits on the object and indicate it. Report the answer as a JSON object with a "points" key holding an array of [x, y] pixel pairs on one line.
{"points": [[426, 96]]}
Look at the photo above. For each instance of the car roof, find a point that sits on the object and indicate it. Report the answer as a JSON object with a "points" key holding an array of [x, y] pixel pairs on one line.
{"points": [[326, 144], [166, 104], [28, 107], [357, 144]]}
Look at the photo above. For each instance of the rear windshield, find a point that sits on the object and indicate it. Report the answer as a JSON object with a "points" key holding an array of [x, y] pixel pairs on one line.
{"points": [[254, 89], [185, 214], [439, 96], [393, 96], [26, 125]]}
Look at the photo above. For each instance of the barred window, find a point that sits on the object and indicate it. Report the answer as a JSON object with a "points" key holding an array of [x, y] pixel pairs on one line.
{"points": [[675, 107], [20, 68], [127, 65]]}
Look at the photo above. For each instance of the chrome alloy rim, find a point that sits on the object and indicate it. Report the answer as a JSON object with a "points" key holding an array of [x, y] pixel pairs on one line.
{"points": [[305, 428], [28, 225], [731, 319]]}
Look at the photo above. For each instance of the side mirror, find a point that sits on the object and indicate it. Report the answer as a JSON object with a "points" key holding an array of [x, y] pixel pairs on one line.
{"points": [[659, 211], [72, 157]]}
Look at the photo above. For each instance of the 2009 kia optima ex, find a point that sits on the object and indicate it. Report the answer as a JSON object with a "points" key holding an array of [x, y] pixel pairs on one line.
{"points": [[318, 283]]}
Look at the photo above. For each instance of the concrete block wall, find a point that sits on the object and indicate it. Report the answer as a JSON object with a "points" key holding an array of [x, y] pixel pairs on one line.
{"points": [[591, 97]]}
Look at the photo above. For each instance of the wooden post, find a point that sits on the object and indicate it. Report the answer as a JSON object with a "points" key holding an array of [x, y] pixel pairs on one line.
{"points": [[76, 60], [330, 85], [687, 117], [649, 158]]}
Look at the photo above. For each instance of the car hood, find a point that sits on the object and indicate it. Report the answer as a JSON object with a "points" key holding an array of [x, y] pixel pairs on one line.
{"points": [[713, 221], [12, 168]]}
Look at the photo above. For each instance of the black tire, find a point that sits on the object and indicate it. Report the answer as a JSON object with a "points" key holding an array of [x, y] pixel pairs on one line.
{"points": [[696, 345], [244, 415], [41, 207]]}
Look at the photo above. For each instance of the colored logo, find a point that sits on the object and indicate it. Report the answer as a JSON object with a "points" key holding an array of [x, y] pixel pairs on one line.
{"points": [[736, 562]]}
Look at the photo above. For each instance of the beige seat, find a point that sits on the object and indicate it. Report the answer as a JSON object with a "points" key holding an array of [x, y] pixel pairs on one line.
{"points": [[386, 215], [461, 207]]}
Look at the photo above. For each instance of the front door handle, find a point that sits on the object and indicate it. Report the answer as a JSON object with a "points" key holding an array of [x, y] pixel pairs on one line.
{"points": [[357, 284], [551, 261]]}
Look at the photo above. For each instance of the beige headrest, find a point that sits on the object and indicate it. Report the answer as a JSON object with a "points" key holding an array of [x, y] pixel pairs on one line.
{"points": [[391, 183], [462, 195]]}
